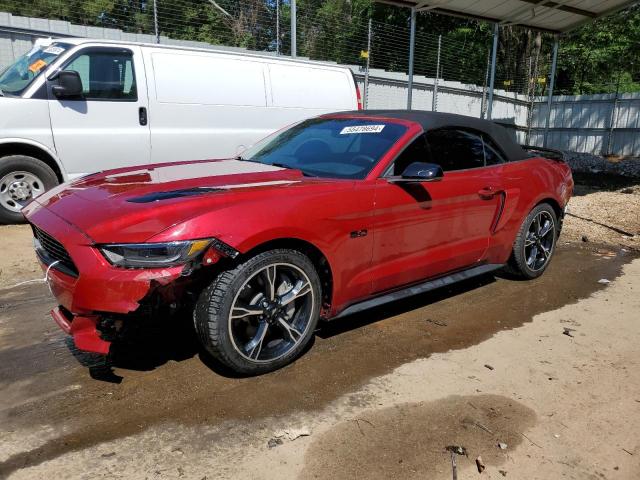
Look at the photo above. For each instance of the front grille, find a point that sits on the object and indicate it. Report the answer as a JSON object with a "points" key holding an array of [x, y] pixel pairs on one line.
{"points": [[52, 251]]}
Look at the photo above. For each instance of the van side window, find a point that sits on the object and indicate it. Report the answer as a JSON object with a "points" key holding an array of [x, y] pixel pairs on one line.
{"points": [[456, 149], [492, 153], [106, 75]]}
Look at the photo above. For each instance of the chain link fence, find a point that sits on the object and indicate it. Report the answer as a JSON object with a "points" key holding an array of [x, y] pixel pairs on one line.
{"points": [[451, 68]]}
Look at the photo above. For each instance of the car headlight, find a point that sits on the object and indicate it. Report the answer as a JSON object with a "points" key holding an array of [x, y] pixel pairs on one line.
{"points": [[153, 255]]}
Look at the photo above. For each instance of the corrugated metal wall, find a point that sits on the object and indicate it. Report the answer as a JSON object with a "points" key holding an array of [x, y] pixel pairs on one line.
{"points": [[597, 124], [387, 91], [600, 124]]}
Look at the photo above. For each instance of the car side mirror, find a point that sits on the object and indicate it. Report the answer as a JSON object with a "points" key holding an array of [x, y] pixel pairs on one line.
{"points": [[69, 85], [419, 172]]}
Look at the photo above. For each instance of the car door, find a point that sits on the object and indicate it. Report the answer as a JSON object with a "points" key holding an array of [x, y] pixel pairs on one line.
{"points": [[107, 127], [426, 229]]}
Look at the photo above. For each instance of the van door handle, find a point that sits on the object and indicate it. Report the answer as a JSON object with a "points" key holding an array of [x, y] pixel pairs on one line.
{"points": [[142, 115]]}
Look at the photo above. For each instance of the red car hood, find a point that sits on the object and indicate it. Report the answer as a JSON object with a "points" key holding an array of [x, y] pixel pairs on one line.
{"points": [[133, 204]]}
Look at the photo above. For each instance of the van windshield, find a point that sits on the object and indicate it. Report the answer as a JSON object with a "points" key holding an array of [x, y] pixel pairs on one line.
{"points": [[329, 147], [17, 77]]}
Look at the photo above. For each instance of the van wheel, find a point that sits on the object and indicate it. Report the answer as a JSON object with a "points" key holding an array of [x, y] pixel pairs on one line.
{"points": [[22, 178], [260, 315]]}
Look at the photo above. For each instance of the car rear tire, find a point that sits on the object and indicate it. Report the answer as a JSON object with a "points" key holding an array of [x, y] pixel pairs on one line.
{"points": [[22, 178], [535, 243], [260, 315]]}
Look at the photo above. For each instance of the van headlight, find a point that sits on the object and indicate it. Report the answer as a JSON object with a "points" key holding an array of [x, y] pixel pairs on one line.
{"points": [[153, 255]]}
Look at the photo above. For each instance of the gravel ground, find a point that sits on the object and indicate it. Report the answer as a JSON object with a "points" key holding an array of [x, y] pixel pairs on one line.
{"points": [[605, 208], [586, 162], [601, 216]]}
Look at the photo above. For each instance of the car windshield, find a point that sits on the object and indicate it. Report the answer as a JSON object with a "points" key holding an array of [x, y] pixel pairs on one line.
{"points": [[329, 147], [17, 77]]}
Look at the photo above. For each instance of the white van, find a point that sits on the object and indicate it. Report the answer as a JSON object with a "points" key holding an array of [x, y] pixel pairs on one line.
{"points": [[75, 106]]}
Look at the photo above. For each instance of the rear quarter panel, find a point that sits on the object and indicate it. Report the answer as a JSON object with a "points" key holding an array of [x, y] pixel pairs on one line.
{"points": [[527, 183]]}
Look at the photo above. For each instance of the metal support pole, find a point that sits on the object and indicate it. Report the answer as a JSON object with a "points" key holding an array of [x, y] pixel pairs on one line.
{"points": [[366, 73], [434, 99], [612, 120], [155, 21], [483, 104], [552, 81], [277, 27], [293, 29], [412, 45], [492, 78]]}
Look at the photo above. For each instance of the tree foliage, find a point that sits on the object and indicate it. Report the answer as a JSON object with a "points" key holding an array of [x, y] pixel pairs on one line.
{"points": [[601, 56]]}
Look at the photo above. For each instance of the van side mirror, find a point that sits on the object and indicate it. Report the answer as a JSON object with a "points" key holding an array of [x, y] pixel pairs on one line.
{"points": [[419, 172], [69, 85]]}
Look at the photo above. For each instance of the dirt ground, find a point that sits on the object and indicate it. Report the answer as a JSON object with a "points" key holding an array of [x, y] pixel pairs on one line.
{"points": [[548, 368], [17, 258], [599, 215]]}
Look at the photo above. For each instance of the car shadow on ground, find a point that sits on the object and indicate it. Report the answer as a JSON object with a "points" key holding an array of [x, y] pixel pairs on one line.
{"points": [[168, 339], [174, 339], [358, 320]]}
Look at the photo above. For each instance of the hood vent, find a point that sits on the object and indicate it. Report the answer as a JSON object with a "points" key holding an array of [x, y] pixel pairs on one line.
{"points": [[185, 192]]}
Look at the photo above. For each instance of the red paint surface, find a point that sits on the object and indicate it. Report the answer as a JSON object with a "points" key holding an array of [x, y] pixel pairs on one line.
{"points": [[83, 330], [414, 231]]}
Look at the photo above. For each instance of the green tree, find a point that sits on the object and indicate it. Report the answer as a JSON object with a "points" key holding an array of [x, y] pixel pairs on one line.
{"points": [[599, 57], [602, 56]]}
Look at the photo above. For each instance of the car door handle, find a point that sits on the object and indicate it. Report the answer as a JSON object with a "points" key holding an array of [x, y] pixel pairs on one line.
{"points": [[487, 193], [142, 116]]}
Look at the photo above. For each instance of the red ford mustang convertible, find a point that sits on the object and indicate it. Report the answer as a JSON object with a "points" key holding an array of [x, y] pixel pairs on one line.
{"points": [[330, 216]]}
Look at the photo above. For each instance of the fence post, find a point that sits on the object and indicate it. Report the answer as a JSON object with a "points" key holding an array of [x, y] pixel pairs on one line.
{"points": [[612, 120], [277, 27], [293, 29], [483, 103], [492, 78], [552, 82], [533, 85], [155, 21], [412, 44], [366, 73], [434, 100]]}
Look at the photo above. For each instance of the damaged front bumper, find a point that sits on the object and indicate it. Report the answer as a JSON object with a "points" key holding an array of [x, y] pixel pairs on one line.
{"points": [[86, 286], [83, 329]]}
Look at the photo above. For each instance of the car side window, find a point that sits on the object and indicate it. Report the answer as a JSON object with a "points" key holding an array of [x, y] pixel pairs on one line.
{"points": [[492, 154], [416, 151], [455, 149], [106, 75]]}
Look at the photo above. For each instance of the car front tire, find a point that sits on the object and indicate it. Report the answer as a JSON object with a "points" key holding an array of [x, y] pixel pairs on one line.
{"points": [[535, 243], [260, 315]]}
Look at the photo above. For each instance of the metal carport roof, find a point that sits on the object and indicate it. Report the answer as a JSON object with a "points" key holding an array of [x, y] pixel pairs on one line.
{"points": [[558, 16]]}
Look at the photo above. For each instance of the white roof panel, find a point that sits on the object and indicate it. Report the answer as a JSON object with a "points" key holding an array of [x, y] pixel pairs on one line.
{"points": [[557, 16]]}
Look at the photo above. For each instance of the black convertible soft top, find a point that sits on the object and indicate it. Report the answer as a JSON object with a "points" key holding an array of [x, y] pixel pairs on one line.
{"points": [[432, 120]]}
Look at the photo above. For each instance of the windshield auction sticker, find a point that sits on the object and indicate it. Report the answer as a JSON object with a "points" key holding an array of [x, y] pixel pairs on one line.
{"points": [[54, 50], [362, 129], [37, 66]]}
